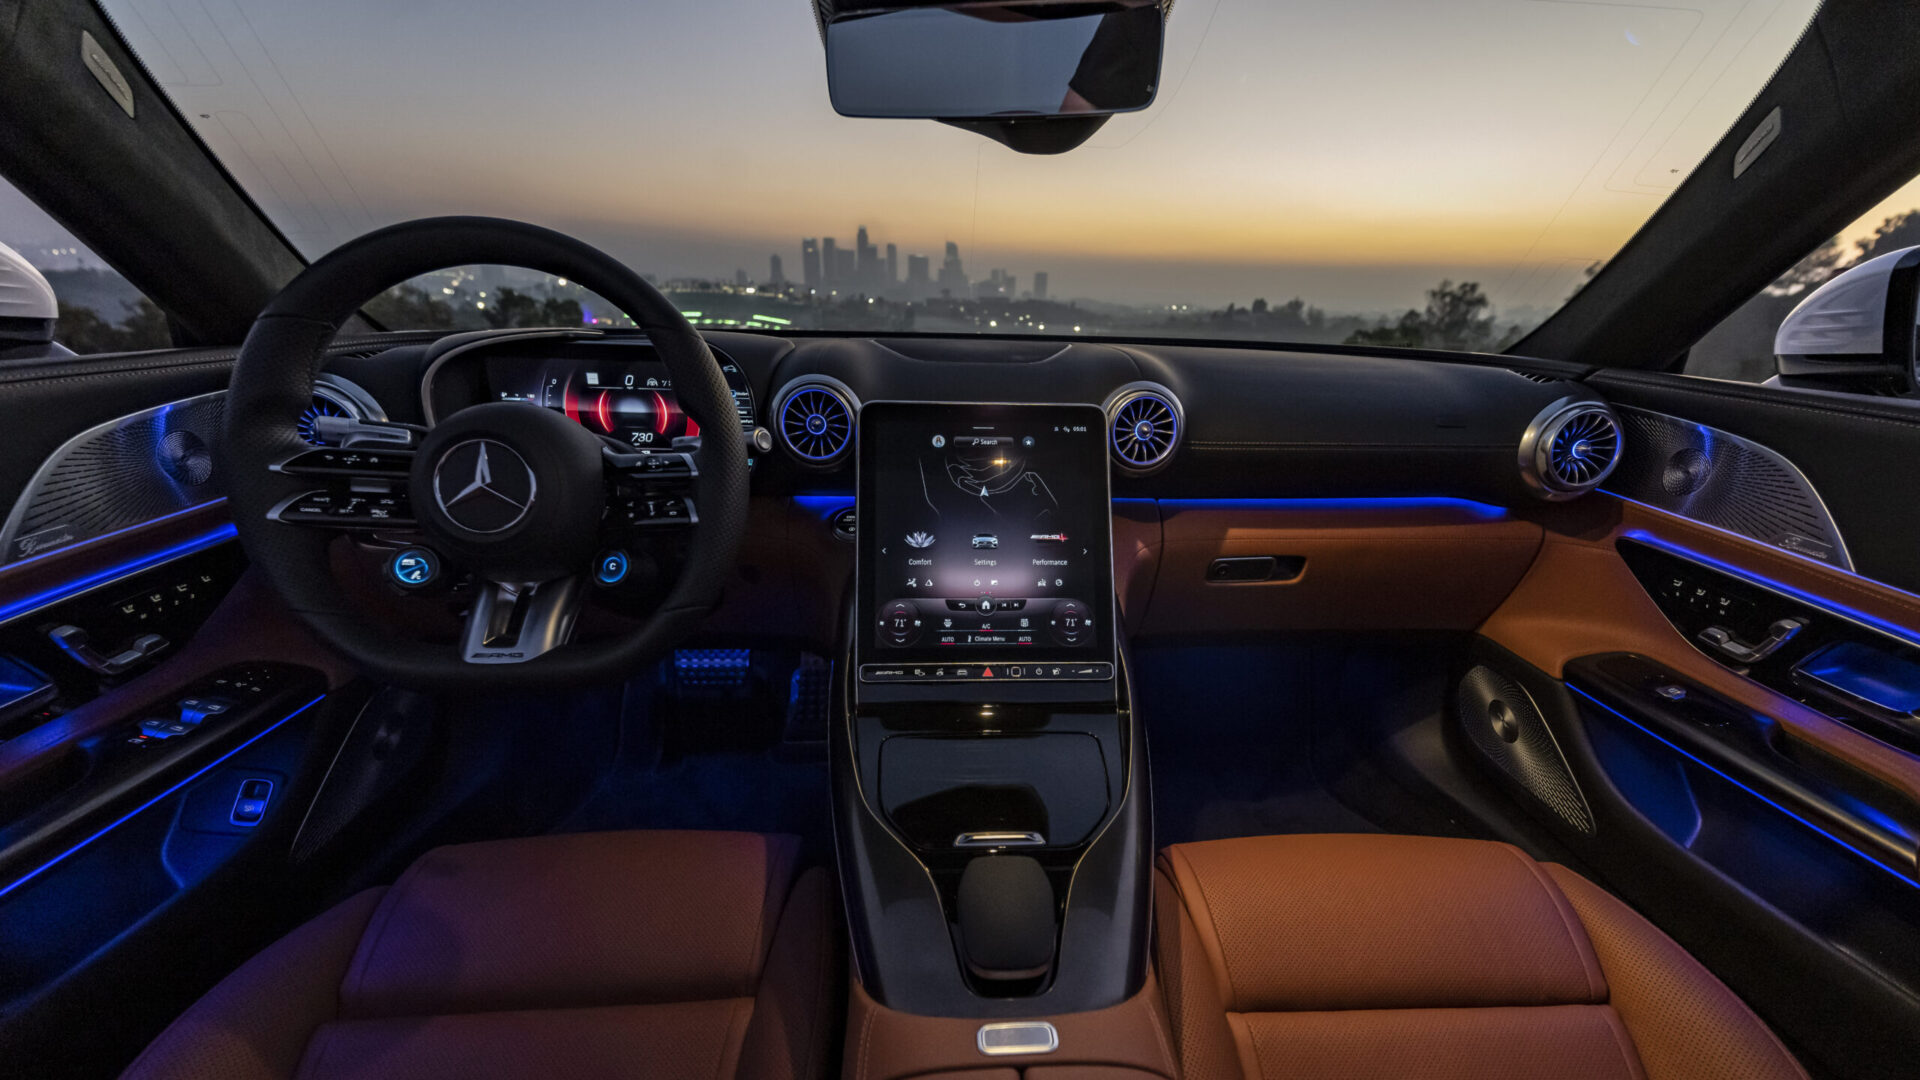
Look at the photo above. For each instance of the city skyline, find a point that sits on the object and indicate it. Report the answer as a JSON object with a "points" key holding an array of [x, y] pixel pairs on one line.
{"points": [[827, 268]]}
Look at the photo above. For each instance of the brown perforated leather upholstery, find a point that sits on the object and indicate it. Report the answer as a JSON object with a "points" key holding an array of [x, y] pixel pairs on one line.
{"points": [[661, 954], [1398, 956]]}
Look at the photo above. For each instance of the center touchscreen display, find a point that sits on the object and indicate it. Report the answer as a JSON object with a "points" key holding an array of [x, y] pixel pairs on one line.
{"points": [[985, 543]]}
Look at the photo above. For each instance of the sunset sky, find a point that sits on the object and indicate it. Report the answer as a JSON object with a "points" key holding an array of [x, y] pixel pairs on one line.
{"points": [[1351, 152]]}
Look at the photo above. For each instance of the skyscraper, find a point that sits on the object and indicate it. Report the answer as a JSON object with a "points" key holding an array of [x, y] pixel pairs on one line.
{"points": [[829, 262], [953, 279], [1039, 284], [866, 270], [810, 262], [776, 276], [919, 281], [893, 265]]}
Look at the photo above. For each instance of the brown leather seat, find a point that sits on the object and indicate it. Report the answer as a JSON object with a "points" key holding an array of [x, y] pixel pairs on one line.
{"points": [[1398, 956], [657, 954]]}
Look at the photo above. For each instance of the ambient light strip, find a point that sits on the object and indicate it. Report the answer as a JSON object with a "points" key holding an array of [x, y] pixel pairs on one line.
{"points": [[136, 811], [1722, 774], [68, 590], [827, 504]]}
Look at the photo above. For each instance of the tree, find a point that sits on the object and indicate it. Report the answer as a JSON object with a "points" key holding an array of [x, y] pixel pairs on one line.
{"points": [[515, 308], [405, 307], [1899, 231], [84, 331], [1458, 317]]}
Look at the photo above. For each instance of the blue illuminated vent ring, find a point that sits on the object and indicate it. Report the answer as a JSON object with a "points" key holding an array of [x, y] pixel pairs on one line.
{"points": [[1584, 449], [816, 423], [1570, 448], [1143, 427], [308, 424]]}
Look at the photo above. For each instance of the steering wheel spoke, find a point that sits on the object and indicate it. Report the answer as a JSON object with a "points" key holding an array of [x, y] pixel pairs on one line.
{"points": [[511, 623]]}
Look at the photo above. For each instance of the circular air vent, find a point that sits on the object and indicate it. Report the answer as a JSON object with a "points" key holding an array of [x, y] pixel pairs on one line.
{"points": [[335, 396], [1144, 423], [1570, 448], [815, 418]]}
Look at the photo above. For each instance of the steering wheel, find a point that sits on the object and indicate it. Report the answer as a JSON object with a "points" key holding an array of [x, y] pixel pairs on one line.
{"points": [[516, 494]]}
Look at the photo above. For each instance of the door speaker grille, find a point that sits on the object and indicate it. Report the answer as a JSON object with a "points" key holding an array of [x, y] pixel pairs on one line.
{"points": [[1501, 721]]}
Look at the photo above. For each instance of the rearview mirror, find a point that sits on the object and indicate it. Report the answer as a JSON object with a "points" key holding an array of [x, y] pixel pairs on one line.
{"points": [[1005, 61], [1857, 333]]}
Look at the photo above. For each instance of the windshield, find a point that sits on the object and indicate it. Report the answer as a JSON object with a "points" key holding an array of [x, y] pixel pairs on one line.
{"points": [[1408, 173]]}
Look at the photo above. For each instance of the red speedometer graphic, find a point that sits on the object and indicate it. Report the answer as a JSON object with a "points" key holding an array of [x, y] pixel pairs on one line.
{"points": [[631, 403]]}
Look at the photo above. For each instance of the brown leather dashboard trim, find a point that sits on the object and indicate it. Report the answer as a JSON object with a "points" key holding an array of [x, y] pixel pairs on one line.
{"points": [[1579, 599], [1434, 567]]}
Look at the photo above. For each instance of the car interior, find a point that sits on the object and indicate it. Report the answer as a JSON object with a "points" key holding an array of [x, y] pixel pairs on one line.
{"points": [[439, 638]]}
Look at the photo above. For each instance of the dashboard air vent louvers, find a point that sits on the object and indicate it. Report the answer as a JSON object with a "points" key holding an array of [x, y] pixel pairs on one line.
{"points": [[1144, 424], [1570, 448], [816, 420], [308, 423]]}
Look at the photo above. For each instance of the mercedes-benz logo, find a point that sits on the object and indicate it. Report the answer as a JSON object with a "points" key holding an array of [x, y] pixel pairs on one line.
{"points": [[483, 486]]}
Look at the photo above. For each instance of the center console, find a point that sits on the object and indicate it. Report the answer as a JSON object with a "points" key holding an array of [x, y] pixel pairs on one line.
{"points": [[989, 774]]}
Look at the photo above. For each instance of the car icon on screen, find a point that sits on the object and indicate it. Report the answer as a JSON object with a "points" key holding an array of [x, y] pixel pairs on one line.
{"points": [[985, 540]]}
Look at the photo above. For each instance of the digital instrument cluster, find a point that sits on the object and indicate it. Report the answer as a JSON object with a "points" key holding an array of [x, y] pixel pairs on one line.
{"points": [[986, 543], [631, 400]]}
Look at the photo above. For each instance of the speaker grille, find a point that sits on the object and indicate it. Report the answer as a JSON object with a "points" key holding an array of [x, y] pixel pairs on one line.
{"points": [[1725, 481], [1501, 721], [131, 470]]}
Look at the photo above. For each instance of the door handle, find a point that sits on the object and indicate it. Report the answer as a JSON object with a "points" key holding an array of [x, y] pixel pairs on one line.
{"points": [[75, 643], [1722, 639]]}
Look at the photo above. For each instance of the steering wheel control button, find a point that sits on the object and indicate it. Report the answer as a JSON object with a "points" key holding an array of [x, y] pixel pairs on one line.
{"points": [[332, 462], [652, 510], [611, 569], [347, 509], [484, 486], [414, 568]]}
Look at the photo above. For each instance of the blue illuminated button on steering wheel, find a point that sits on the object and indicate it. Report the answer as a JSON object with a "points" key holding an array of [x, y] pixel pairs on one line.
{"points": [[611, 569], [414, 568]]}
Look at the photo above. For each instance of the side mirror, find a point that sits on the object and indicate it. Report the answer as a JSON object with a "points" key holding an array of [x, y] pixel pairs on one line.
{"points": [[28, 311], [1039, 75], [1857, 332]]}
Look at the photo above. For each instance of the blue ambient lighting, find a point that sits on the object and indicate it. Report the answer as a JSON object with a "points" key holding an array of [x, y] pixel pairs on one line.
{"points": [[1881, 818], [129, 815], [69, 548], [1386, 502], [824, 505], [1832, 606], [132, 566]]}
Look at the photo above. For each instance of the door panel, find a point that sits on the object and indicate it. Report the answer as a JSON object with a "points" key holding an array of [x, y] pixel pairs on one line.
{"points": [[1770, 831], [1580, 599]]}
